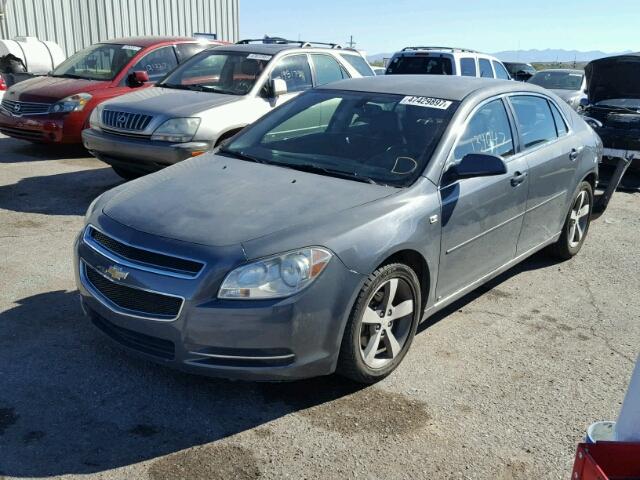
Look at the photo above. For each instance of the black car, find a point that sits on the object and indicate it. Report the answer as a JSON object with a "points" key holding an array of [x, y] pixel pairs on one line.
{"points": [[613, 108], [520, 71]]}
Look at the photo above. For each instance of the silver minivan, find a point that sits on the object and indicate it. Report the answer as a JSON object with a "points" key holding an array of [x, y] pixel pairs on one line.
{"points": [[209, 99]]}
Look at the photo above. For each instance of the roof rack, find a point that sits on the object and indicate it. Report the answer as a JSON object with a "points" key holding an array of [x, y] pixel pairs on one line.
{"points": [[451, 49], [284, 41]]}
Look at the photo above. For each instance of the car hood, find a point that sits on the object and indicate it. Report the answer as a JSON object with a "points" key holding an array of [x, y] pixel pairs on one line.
{"points": [[47, 89], [159, 100], [613, 78], [219, 201]]}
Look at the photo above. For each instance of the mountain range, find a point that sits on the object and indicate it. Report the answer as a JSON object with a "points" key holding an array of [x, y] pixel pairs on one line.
{"points": [[529, 56]]}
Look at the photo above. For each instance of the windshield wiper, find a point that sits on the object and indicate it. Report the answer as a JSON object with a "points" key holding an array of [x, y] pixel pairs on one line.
{"points": [[179, 86], [240, 155], [313, 168], [615, 107], [66, 75]]}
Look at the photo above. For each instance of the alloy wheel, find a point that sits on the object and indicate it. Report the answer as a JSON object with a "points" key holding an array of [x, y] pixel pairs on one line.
{"points": [[386, 323], [579, 219]]}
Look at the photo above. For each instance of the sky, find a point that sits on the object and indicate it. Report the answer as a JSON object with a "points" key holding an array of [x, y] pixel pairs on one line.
{"points": [[487, 25]]}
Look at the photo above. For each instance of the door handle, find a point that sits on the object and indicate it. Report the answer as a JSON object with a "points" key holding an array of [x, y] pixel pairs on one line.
{"points": [[573, 155], [518, 178]]}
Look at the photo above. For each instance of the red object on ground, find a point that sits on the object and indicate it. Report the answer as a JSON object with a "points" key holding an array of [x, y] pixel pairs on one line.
{"points": [[607, 461]]}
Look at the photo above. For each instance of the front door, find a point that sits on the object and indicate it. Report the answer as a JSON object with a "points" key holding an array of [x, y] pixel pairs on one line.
{"points": [[482, 216]]}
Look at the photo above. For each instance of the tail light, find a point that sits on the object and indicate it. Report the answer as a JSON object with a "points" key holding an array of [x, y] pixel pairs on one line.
{"points": [[3, 84]]}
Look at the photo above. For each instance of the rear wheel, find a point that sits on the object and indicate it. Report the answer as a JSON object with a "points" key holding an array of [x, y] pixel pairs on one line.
{"points": [[126, 173], [382, 324], [576, 224]]}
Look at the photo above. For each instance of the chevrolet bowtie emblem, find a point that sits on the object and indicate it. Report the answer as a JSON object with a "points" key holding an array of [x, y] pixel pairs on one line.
{"points": [[116, 273]]}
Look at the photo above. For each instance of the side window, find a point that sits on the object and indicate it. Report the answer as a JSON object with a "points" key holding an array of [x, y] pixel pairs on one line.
{"points": [[157, 63], [488, 131], [501, 72], [188, 50], [312, 120], [485, 68], [327, 69], [467, 67], [295, 71], [535, 120], [561, 126], [359, 63]]}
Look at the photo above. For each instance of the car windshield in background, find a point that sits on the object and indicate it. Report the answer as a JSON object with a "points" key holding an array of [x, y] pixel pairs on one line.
{"points": [[558, 80], [98, 62], [369, 137], [221, 72], [420, 65]]}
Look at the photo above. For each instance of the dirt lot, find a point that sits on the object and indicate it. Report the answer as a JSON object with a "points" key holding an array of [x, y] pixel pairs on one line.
{"points": [[502, 385]]}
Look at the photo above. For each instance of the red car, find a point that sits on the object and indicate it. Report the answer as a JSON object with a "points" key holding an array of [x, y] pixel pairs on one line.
{"points": [[56, 108]]}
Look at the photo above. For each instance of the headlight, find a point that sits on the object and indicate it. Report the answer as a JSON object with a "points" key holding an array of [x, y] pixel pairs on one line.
{"points": [[177, 130], [74, 103], [277, 276], [94, 118]]}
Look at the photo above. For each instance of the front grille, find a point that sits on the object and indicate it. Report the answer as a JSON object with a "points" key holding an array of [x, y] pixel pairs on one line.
{"points": [[135, 122], [152, 259], [157, 347], [24, 108], [133, 299], [111, 131], [22, 133]]}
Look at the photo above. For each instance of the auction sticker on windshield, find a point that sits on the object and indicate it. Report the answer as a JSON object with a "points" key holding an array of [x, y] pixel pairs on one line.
{"points": [[426, 102]]}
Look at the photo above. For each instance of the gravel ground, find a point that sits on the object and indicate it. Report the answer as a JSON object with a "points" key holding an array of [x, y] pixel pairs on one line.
{"points": [[501, 385]]}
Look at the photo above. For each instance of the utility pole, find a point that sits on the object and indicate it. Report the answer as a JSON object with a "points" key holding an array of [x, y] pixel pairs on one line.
{"points": [[351, 43]]}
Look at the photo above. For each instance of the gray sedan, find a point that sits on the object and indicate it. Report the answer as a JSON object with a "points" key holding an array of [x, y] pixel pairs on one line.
{"points": [[322, 235]]}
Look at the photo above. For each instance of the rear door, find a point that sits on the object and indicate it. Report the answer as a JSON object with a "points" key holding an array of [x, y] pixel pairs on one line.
{"points": [[551, 154], [481, 217]]}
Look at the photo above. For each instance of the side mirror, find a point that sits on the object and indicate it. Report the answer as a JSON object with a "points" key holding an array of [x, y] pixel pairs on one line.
{"points": [[138, 78], [479, 165], [584, 102], [278, 87]]}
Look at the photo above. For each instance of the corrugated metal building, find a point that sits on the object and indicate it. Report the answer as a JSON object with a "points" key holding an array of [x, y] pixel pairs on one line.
{"points": [[75, 24]]}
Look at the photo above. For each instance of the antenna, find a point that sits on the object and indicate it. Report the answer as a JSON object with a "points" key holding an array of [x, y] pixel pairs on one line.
{"points": [[351, 43]]}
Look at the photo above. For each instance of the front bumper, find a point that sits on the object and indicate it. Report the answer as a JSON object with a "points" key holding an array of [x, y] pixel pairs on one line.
{"points": [[42, 128], [139, 154], [280, 339]]}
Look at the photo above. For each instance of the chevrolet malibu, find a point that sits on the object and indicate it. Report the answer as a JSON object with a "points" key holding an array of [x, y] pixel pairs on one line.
{"points": [[318, 238]]}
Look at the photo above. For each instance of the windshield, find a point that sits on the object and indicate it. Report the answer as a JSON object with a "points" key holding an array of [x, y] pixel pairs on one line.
{"points": [[371, 137], [223, 72], [420, 65], [558, 80], [98, 62]]}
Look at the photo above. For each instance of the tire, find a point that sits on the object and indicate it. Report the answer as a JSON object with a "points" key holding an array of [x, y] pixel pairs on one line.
{"points": [[363, 360], [576, 225], [126, 173]]}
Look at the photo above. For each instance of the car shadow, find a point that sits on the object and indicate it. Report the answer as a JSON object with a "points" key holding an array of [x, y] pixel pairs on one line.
{"points": [[59, 194], [18, 151], [71, 402], [539, 260]]}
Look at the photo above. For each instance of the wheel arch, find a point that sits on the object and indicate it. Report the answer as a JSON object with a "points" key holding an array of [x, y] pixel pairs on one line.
{"points": [[416, 261], [592, 178]]}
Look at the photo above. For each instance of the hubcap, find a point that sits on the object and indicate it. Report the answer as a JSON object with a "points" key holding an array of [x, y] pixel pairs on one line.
{"points": [[579, 219], [386, 323]]}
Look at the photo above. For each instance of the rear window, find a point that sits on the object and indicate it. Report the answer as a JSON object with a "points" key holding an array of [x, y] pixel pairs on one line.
{"points": [[359, 63], [420, 65]]}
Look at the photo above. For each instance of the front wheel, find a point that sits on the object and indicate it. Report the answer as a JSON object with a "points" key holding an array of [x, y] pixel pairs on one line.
{"points": [[576, 224], [382, 324]]}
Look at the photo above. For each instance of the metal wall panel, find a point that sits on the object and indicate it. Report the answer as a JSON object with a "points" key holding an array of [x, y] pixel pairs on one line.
{"points": [[75, 24]]}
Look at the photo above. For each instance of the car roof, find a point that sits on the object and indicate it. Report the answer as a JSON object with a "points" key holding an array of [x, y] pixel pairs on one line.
{"points": [[148, 41], [450, 87], [274, 48], [562, 70]]}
